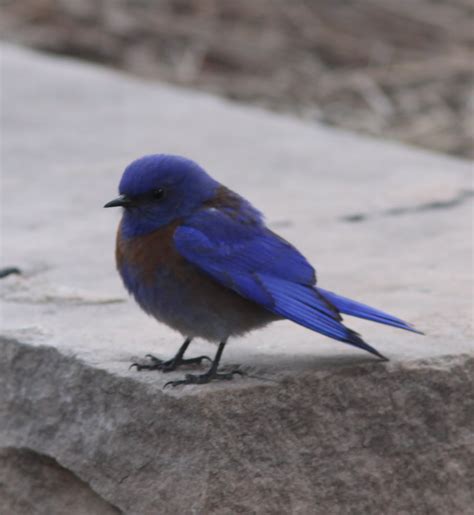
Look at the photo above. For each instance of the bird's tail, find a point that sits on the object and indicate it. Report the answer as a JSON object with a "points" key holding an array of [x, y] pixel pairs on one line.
{"points": [[357, 309]]}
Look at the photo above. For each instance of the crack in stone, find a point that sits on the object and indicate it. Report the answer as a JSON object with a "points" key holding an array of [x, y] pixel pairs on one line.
{"points": [[459, 199], [4, 272], [138, 469]]}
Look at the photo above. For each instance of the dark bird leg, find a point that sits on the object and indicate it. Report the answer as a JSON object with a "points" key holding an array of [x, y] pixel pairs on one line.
{"points": [[170, 364], [211, 375]]}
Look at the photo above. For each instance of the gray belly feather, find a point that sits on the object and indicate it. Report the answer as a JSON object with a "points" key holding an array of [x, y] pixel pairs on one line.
{"points": [[197, 306]]}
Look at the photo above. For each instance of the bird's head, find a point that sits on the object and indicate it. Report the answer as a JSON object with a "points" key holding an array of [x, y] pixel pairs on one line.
{"points": [[158, 189]]}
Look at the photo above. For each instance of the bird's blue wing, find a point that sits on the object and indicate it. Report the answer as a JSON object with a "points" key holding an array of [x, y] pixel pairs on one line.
{"points": [[262, 267]]}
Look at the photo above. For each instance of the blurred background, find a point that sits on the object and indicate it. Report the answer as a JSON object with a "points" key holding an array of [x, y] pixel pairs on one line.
{"points": [[399, 69]]}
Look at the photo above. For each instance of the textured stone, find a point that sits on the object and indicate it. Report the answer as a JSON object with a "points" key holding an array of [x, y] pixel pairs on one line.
{"points": [[36, 484], [316, 427]]}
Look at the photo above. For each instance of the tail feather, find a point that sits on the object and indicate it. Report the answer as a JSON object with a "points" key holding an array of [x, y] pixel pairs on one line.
{"points": [[309, 308], [356, 340], [357, 309]]}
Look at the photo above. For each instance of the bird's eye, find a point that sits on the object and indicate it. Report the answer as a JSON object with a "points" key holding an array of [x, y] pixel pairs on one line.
{"points": [[158, 193]]}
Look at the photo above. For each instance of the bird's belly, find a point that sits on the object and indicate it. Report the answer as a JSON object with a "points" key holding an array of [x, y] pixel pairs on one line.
{"points": [[194, 304]]}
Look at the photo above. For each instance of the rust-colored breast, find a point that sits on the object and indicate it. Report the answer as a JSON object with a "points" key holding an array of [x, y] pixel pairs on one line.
{"points": [[146, 254]]}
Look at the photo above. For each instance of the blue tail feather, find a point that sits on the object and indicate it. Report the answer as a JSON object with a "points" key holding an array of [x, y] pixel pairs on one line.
{"points": [[307, 307], [357, 309]]}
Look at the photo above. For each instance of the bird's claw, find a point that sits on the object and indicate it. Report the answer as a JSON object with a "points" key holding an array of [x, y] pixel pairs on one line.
{"points": [[169, 365], [205, 378]]}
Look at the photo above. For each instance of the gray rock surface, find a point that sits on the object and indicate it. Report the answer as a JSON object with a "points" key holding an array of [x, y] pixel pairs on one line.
{"points": [[32, 483], [317, 427]]}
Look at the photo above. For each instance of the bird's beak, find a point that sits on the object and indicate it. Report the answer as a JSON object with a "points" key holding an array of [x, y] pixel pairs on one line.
{"points": [[121, 201]]}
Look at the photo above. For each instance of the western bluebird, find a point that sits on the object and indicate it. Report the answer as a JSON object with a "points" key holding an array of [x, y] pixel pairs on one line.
{"points": [[199, 258]]}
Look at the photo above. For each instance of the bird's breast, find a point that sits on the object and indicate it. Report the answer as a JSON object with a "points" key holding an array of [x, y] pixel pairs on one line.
{"points": [[177, 293], [147, 254]]}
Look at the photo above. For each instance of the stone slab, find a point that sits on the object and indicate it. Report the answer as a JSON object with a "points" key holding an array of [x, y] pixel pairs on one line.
{"points": [[317, 427]]}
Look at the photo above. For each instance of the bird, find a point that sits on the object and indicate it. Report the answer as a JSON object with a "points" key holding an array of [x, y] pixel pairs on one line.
{"points": [[200, 258]]}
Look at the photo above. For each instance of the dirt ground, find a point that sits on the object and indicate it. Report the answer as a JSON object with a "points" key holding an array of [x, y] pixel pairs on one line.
{"points": [[399, 69]]}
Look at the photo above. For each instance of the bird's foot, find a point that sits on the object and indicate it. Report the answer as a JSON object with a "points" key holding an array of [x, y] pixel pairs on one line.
{"points": [[210, 375], [168, 365]]}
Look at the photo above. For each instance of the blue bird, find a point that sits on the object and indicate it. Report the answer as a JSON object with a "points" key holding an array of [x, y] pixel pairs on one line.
{"points": [[199, 258]]}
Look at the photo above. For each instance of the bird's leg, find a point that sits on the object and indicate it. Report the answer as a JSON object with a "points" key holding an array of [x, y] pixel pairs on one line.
{"points": [[170, 364], [211, 375]]}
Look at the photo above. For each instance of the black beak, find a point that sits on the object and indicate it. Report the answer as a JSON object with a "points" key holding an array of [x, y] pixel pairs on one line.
{"points": [[121, 201]]}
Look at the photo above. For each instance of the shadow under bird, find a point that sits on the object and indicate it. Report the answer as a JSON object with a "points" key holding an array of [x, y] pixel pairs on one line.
{"points": [[199, 258]]}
